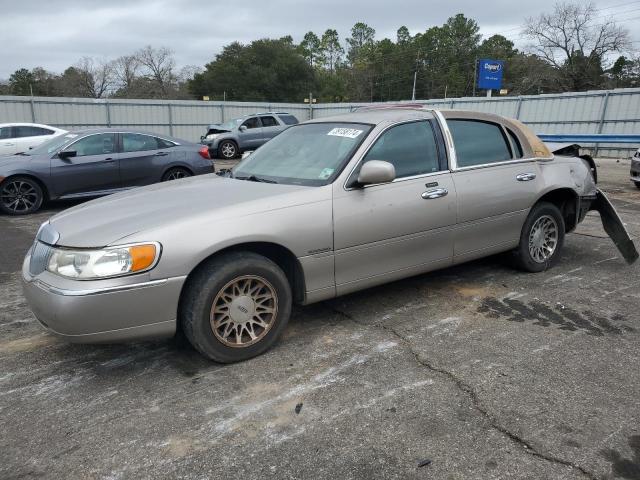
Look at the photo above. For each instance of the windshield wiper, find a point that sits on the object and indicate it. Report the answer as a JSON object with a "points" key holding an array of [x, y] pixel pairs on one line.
{"points": [[253, 178]]}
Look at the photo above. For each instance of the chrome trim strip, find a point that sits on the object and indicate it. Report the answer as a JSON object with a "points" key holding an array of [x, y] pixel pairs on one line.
{"points": [[98, 291]]}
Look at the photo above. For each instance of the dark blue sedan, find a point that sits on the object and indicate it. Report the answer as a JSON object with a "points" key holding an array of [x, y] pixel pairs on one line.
{"points": [[90, 163]]}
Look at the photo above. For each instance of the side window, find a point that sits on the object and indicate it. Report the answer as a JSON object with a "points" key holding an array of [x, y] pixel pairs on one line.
{"points": [[135, 142], [517, 147], [252, 122], [478, 143], [288, 119], [94, 145], [410, 147], [28, 131], [5, 132], [269, 122]]}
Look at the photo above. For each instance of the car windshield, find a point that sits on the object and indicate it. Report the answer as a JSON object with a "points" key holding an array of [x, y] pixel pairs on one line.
{"points": [[53, 145], [309, 154]]}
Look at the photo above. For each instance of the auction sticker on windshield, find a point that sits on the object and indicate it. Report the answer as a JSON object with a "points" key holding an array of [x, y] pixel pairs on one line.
{"points": [[345, 132], [325, 173]]}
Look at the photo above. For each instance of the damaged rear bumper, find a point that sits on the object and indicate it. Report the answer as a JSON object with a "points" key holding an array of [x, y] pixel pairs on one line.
{"points": [[614, 227]]}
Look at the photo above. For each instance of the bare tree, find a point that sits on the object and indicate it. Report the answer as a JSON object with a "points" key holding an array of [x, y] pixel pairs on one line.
{"points": [[573, 40], [160, 66], [126, 70], [95, 78]]}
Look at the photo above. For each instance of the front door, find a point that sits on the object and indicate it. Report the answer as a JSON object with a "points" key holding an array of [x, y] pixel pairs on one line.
{"points": [[388, 231], [93, 169], [251, 136], [8, 144]]}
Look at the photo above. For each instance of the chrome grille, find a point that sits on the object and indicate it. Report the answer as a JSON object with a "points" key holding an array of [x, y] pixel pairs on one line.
{"points": [[40, 254]]}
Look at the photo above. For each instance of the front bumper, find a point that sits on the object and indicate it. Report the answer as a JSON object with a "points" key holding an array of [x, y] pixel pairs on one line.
{"points": [[88, 313]]}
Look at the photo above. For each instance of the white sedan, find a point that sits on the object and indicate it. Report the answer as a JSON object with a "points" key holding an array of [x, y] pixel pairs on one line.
{"points": [[20, 137]]}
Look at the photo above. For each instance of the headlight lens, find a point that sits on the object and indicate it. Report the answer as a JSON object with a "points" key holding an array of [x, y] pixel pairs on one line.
{"points": [[212, 136], [107, 262]]}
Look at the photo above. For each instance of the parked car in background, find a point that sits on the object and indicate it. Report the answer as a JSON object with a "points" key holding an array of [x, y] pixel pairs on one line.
{"points": [[326, 208], [228, 140], [89, 163], [635, 168], [20, 137]]}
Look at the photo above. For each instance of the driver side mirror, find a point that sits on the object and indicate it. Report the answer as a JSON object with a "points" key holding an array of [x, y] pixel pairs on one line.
{"points": [[64, 154], [242, 128], [376, 171]]}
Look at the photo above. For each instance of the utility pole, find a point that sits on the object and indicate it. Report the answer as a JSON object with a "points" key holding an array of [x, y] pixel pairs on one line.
{"points": [[475, 75], [413, 94]]}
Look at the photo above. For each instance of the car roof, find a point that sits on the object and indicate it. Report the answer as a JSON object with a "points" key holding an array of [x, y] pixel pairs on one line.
{"points": [[25, 124], [378, 115], [87, 131]]}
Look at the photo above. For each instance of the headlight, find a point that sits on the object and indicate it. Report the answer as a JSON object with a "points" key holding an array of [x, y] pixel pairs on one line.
{"points": [[212, 136], [103, 263]]}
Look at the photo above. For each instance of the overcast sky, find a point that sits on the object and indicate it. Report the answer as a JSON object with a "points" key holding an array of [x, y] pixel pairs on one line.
{"points": [[55, 33]]}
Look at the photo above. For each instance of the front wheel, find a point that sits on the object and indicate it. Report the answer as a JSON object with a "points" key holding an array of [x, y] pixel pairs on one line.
{"points": [[637, 184], [20, 196], [235, 307], [541, 239], [228, 150]]}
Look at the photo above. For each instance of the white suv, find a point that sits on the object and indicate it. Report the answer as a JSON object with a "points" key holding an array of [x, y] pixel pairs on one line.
{"points": [[20, 137]]}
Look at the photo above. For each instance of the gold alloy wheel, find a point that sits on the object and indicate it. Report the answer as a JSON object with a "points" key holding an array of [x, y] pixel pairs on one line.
{"points": [[243, 311]]}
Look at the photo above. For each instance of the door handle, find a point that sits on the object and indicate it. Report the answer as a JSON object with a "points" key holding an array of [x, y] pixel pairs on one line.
{"points": [[8, 144], [161, 154], [109, 160], [525, 177], [436, 193]]}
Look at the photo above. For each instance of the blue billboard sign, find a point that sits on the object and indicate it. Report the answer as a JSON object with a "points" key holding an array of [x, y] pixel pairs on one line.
{"points": [[490, 74]]}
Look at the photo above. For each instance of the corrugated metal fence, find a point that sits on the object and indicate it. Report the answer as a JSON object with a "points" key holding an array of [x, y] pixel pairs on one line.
{"points": [[602, 111]]}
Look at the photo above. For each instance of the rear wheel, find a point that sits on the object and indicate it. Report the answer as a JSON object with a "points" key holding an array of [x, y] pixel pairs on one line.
{"points": [[175, 174], [541, 239], [20, 196], [228, 149], [637, 184], [235, 307]]}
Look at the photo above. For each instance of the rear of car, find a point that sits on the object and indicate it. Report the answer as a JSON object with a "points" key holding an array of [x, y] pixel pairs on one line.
{"points": [[635, 168], [21, 137]]}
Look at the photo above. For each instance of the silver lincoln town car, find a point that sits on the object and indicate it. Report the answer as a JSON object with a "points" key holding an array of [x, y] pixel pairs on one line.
{"points": [[326, 208]]}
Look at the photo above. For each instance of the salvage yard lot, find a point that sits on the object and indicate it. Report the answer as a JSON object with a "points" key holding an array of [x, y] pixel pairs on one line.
{"points": [[483, 370]]}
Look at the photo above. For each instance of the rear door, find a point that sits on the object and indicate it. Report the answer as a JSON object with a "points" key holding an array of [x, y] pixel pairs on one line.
{"points": [[93, 169], [28, 136], [495, 187], [393, 230], [270, 127], [143, 158], [7, 141], [251, 137]]}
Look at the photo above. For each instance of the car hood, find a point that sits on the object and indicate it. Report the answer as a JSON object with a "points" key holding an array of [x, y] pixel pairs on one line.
{"points": [[109, 219]]}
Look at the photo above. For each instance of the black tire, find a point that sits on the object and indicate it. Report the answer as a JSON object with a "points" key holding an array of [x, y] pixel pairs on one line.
{"points": [[20, 196], [176, 173], [206, 286], [637, 184], [525, 257], [228, 150]]}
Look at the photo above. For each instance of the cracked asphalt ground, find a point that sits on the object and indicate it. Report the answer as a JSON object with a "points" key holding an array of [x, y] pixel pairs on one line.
{"points": [[482, 370]]}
